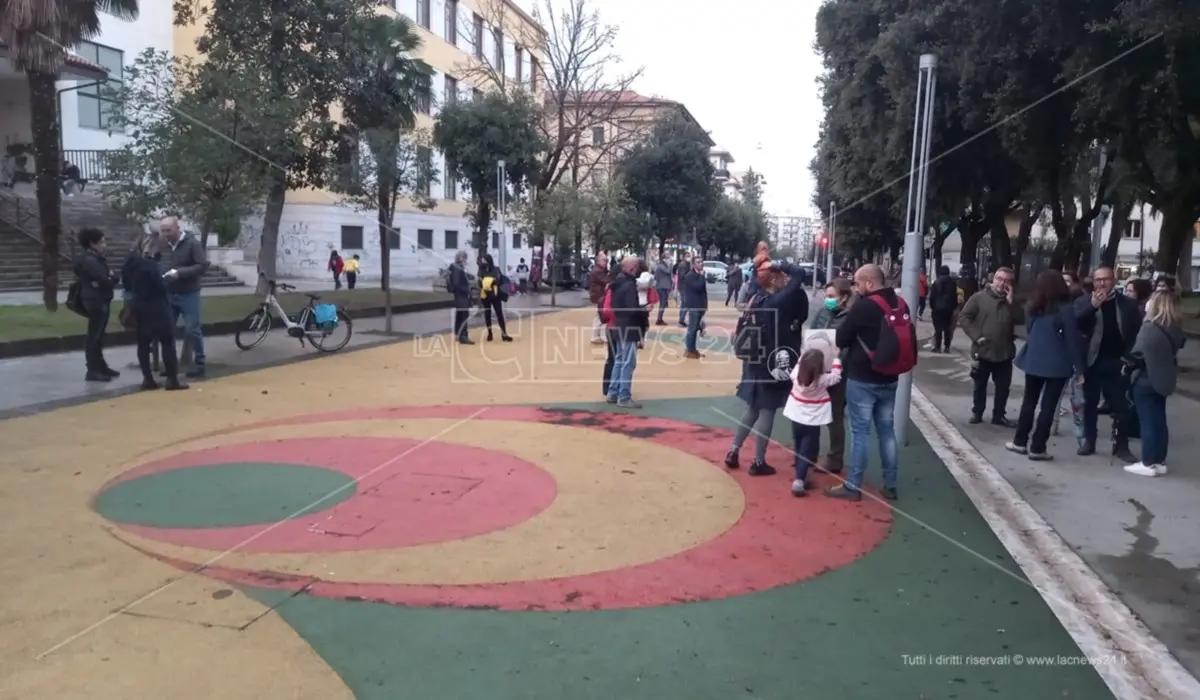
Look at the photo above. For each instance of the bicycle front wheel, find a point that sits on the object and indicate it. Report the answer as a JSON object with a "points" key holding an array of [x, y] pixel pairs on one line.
{"points": [[253, 329], [325, 342]]}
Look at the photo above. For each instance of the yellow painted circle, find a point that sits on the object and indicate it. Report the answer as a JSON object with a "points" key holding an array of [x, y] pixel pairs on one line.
{"points": [[621, 502]]}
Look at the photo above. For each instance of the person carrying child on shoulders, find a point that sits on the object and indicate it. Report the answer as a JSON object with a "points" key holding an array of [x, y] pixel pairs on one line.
{"points": [[809, 407]]}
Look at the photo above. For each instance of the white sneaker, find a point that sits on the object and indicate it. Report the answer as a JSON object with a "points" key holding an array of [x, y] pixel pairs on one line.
{"points": [[1146, 469], [1013, 447], [798, 488]]}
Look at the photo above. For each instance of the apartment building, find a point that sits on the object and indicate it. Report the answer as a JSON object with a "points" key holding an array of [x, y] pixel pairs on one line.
{"points": [[85, 112], [609, 123], [472, 45]]}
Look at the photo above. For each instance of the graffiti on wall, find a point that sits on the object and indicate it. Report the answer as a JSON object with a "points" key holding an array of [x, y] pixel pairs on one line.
{"points": [[299, 252]]}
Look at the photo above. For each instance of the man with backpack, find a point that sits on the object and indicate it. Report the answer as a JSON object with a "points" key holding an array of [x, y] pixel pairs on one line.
{"points": [[880, 339]]}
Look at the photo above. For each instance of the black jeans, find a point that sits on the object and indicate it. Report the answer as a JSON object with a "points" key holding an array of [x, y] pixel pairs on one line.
{"points": [[337, 280], [351, 278], [154, 326], [731, 292], [608, 361], [806, 443], [461, 315], [1001, 375], [97, 325], [943, 329], [1045, 391], [1104, 378], [490, 304]]}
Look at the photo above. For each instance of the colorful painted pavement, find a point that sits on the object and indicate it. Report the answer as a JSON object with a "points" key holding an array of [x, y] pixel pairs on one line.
{"points": [[414, 522]]}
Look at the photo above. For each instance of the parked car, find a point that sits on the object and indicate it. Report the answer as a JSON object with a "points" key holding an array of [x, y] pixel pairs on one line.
{"points": [[714, 270]]}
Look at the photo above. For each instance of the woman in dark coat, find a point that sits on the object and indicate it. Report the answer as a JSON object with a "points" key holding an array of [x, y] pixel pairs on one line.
{"points": [[141, 276], [772, 312]]}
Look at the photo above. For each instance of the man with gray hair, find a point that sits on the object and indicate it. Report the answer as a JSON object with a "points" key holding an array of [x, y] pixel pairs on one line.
{"points": [[458, 284], [184, 261]]}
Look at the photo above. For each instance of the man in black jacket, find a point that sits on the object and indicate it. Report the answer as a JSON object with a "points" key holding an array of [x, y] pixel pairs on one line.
{"points": [[96, 283], [870, 395], [184, 262], [459, 285], [629, 320], [1109, 322], [693, 291]]}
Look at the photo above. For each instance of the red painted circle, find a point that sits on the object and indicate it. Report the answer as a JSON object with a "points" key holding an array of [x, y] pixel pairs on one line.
{"points": [[779, 539], [408, 493]]}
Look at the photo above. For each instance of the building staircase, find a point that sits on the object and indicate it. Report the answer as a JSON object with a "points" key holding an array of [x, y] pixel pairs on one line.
{"points": [[20, 239]]}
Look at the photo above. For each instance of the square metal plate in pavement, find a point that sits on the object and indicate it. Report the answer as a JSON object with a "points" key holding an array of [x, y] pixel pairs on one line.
{"points": [[424, 488]]}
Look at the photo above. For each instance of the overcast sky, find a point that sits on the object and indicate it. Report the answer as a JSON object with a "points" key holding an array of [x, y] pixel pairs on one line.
{"points": [[745, 69]]}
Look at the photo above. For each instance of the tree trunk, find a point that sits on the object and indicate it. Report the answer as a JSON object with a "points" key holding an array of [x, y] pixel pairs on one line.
{"points": [[1185, 264], [205, 227], [43, 115], [272, 215], [385, 209], [1116, 231], [1002, 254], [1023, 236], [482, 218]]}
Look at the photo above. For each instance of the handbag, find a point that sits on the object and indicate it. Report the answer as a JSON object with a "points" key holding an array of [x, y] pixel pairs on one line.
{"points": [[127, 317], [74, 302]]}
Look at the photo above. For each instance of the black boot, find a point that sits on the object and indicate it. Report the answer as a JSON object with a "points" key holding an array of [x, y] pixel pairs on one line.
{"points": [[148, 383], [489, 335], [173, 384]]}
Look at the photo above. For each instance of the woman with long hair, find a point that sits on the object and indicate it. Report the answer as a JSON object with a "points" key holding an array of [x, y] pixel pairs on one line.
{"points": [[1052, 354], [1153, 374]]}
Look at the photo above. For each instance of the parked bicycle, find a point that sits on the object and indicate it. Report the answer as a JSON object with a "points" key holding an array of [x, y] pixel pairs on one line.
{"points": [[316, 322]]}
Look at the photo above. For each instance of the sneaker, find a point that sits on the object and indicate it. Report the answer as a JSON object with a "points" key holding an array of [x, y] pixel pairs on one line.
{"points": [[758, 468], [798, 488], [1146, 469], [96, 377], [1123, 453], [890, 493], [628, 403], [846, 494], [692, 355], [175, 385], [1040, 457], [660, 322], [610, 399], [975, 420], [1014, 447], [1086, 448], [731, 460], [1004, 422], [110, 372], [148, 384]]}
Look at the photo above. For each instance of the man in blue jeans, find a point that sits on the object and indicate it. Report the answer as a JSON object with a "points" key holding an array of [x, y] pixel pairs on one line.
{"points": [[693, 290], [184, 261], [870, 395], [630, 320]]}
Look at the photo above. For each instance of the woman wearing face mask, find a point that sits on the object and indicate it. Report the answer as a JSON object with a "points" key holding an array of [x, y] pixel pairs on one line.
{"points": [[838, 297]]}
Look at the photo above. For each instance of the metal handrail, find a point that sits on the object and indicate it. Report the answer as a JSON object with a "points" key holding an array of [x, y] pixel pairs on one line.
{"points": [[17, 222]]}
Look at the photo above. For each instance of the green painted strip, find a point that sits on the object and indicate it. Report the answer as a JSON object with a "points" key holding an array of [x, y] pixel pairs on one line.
{"points": [[223, 495]]}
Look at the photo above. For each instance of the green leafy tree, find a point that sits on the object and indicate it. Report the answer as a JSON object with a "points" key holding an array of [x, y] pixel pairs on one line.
{"points": [[380, 105], [38, 35], [732, 228], [304, 51], [668, 176], [188, 165], [475, 135]]}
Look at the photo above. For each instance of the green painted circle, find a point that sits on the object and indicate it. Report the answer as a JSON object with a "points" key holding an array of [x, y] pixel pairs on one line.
{"points": [[224, 495]]}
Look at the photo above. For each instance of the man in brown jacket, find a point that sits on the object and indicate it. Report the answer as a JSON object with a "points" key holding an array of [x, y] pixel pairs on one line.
{"points": [[597, 282], [989, 319]]}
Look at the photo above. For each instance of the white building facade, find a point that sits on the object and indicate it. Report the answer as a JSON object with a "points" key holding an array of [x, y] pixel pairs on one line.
{"points": [[458, 37]]}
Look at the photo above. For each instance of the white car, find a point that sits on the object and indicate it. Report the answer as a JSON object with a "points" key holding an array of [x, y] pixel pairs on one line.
{"points": [[714, 271]]}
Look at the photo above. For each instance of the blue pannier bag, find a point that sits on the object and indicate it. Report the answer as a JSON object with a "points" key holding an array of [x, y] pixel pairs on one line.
{"points": [[325, 316]]}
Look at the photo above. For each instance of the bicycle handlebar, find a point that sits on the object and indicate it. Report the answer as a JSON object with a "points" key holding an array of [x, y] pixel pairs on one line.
{"points": [[279, 285]]}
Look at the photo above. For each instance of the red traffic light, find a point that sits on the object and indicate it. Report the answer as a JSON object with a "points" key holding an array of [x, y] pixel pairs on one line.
{"points": [[824, 241]]}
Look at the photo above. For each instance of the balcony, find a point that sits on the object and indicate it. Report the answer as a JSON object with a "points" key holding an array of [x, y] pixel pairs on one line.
{"points": [[93, 165], [721, 173]]}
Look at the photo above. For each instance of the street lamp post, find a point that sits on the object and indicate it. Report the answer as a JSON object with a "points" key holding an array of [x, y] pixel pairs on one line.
{"points": [[502, 249], [829, 246]]}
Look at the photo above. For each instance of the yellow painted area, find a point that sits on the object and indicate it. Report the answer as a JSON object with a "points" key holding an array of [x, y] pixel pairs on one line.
{"points": [[63, 570], [668, 503]]}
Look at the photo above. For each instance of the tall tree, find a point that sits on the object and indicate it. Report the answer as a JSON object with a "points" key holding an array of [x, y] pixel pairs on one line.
{"points": [[300, 49], [38, 34], [475, 135], [191, 166], [380, 104], [668, 175]]}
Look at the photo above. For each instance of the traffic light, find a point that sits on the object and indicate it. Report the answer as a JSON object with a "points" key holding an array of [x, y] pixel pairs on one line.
{"points": [[824, 241]]}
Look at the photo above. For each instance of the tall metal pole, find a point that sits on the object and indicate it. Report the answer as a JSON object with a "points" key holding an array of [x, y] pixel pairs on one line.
{"points": [[829, 243], [1098, 223], [502, 249], [914, 237]]}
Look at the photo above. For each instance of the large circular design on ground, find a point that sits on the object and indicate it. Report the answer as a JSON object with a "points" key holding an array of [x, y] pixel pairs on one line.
{"points": [[643, 514]]}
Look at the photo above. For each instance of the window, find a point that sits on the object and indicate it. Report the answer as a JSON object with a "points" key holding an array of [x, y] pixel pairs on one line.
{"points": [[498, 58], [476, 94], [450, 91], [516, 241], [534, 69], [597, 136], [352, 237], [478, 37], [452, 240], [1134, 230], [96, 102], [424, 103], [495, 240], [425, 238], [449, 183], [520, 73], [423, 13], [452, 22], [424, 171]]}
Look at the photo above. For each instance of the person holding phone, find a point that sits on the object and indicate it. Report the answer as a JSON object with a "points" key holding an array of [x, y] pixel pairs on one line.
{"points": [[185, 262]]}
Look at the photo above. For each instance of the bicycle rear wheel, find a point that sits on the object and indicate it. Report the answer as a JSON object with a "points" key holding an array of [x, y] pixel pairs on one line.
{"points": [[325, 341], [253, 330]]}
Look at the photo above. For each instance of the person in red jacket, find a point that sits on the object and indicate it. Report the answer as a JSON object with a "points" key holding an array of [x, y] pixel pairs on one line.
{"points": [[922, 293], [336, 265]]}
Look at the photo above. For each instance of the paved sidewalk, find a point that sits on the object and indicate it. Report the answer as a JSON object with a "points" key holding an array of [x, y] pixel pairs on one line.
{"points": [[1138, 534]]}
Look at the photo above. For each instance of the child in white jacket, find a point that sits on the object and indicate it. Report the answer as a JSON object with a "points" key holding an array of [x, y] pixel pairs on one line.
{"points": [[809, 407]]}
